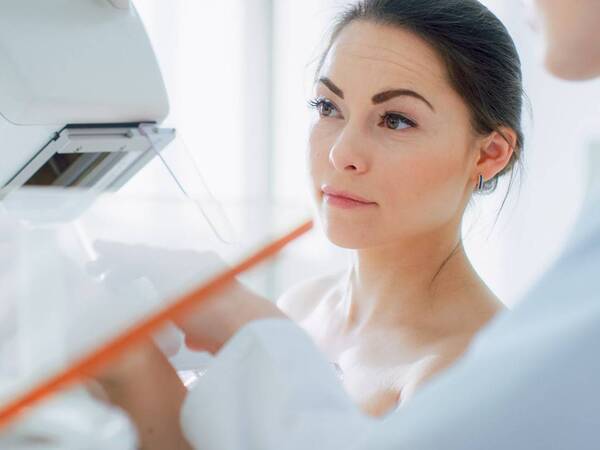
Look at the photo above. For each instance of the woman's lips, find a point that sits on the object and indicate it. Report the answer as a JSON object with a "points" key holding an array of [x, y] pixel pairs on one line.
{"points": [[346, 200]]}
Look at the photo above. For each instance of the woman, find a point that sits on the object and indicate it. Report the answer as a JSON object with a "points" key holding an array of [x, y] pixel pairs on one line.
{"points": [[418, 104]]}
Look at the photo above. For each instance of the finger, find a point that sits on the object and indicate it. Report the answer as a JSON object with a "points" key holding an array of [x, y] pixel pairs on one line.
{"points": [[118, 278], [169, 340]]}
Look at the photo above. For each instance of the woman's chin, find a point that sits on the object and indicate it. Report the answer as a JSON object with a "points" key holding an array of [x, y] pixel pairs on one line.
{"points": [[347, 232], [350, 241]]}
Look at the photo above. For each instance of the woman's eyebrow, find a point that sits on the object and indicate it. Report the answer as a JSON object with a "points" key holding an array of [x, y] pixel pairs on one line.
{"points": [[378, 98], [332, 87], [388, 95]]}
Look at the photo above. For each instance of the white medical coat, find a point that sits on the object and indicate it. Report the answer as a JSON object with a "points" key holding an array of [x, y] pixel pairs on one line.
{"points": [[531, 380]]}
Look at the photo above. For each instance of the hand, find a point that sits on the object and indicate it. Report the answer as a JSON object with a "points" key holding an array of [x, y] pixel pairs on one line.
{"points": [[167, 272], [145, 385], [209, 326], [130, 366], [213, 322]]}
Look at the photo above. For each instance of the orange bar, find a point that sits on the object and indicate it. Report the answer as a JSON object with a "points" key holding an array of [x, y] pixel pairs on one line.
{"points": [[117, 346]]}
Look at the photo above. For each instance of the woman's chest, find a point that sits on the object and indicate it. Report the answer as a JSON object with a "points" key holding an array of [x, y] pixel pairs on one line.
{"points": [[379, 380], [376, 368]]}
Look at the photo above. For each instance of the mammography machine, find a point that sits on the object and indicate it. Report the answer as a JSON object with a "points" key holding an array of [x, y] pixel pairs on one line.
{"points": [[78, 82], [81, 103]]}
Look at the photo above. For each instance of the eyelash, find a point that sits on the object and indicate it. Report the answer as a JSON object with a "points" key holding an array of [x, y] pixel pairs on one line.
{"points": [[402, 119], [318, 102]]}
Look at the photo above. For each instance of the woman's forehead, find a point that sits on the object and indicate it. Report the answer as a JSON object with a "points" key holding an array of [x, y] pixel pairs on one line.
{"points": [[370, 52]]}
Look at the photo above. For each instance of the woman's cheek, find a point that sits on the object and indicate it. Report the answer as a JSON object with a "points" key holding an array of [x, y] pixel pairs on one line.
{"points": [[417, 177], [326, 129], [321, 140]]}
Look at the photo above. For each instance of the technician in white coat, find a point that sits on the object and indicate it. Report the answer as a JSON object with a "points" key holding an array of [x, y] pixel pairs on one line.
{"points": [[531, 380]]}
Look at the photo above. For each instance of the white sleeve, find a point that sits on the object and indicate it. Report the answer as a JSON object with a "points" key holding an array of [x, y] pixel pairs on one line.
{"points": [[270, 389]]}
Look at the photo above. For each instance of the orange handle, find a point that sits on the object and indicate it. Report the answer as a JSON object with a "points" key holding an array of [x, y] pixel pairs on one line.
{"points": [[117, 346]]}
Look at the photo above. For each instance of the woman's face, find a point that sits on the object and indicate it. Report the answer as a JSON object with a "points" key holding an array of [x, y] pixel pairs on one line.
{"points": [[389, 131], [573, 37]]}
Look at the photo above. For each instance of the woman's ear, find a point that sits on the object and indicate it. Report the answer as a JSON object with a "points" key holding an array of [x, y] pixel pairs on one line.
{"points": [[495, 152]]}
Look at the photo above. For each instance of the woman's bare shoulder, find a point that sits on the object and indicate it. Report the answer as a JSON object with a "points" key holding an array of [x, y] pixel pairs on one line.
{"points": [[300, 300]]}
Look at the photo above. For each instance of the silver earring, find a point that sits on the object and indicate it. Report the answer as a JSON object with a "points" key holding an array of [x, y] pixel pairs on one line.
{"points": [[480, 184]]}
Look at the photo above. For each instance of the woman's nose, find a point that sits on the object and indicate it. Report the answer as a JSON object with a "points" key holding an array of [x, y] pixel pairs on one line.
{"points": [[348, 153]]}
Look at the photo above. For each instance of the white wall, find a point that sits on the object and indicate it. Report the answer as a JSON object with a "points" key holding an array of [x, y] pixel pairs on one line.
{"points": [[200, 48]]}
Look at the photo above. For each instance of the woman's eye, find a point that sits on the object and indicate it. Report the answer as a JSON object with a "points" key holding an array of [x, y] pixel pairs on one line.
{"points": [[324, 107], [396, 121]]}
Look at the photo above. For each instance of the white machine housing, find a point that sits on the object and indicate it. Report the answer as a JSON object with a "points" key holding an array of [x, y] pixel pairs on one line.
{"points": [[77, 79]]}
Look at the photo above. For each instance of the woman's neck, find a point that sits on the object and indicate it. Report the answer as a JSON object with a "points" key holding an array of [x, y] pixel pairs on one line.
{"points": [[408, 282]]}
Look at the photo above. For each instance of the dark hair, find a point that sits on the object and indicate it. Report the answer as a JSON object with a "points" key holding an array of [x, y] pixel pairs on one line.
{"points": [[480, 56]]}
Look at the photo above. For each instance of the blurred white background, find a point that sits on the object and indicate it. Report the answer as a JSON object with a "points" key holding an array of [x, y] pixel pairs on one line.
{"points": [[239, 73]]}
